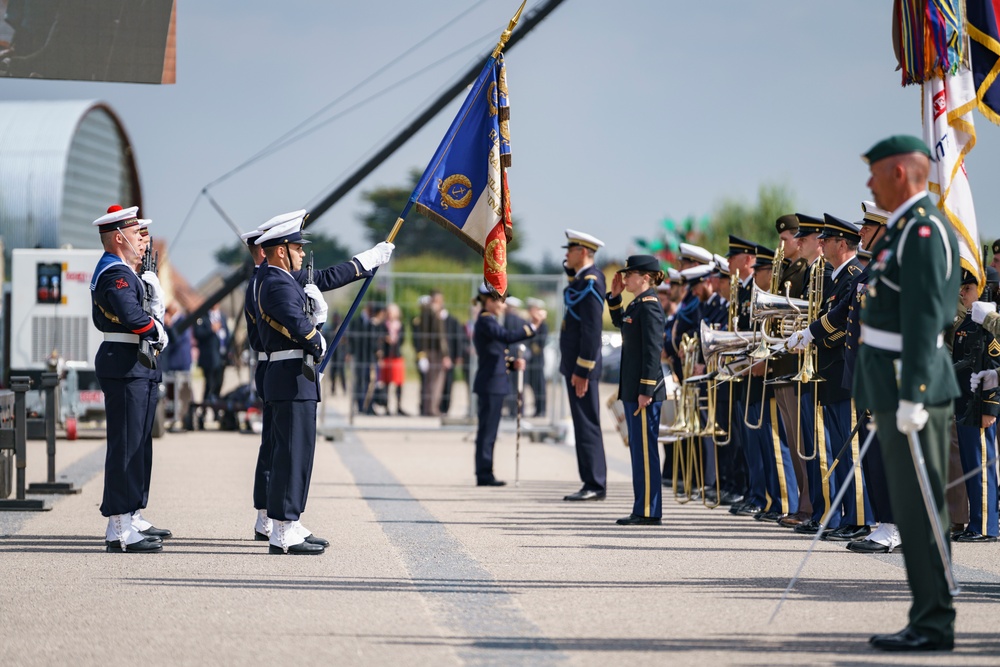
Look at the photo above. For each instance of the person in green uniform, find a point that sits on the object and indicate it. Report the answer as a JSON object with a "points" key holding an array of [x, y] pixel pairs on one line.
{"points": [[904, 372]]}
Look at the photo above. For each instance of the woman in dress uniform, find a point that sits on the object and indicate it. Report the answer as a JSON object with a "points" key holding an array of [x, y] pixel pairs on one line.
{"points": [[641, 384]]}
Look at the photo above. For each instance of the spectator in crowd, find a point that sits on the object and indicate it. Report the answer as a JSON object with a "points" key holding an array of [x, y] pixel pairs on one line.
{"points": [[535, 373], [392, 372], [212, 336], [177, 366], [434, 356], [458, 344]]}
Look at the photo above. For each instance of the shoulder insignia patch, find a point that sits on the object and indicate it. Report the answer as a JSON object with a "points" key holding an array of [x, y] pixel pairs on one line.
{"points": [[851, 269], [924, 231], [994, 348], [121, 283], [590, 277], [650, 298]]}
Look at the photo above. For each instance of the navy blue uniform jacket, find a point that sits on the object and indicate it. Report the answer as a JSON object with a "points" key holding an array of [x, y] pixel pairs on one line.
{"points": [[117, 294], [491, 341], [580, 338], [641, 323], [830, 331]]}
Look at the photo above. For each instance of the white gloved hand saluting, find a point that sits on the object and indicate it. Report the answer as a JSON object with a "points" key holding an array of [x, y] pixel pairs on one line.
{"points": [[987, 378], [799, 340], [320, 309], [910, 417], [158, 303], [377, 256], [161, 336], [980, 309]]}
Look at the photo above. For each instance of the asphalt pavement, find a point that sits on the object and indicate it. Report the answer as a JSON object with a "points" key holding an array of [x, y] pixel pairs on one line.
{"points": [[427, 569]]}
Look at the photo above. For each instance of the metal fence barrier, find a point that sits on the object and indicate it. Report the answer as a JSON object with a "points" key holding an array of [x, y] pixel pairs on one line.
{"points": [[15, 439]]}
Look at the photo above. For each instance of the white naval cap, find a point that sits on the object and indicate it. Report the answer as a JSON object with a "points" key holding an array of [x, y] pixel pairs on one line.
{"points": [[674, 276], [696, 274], [117, 218], [695, 253], [281, 233], [873, 214], [720, 262], [514, 302], [249, 237], [282, 218], [574, 237], [144, 224]]}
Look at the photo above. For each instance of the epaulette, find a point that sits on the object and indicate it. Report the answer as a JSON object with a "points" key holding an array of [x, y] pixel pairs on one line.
{"points": [[650, 298], [588, 277]]}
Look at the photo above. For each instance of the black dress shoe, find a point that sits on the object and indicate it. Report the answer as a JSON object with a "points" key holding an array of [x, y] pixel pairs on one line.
{"points": [[585, 494], [969, 536], [909, 639], [261, 537], [633, 520], [730, 498], [301, 549], [771, 516], [711, 497], [848, 533], [749, 509], [144, 546], [312, 539], [870, 547], [736, 507], [810, 527], [491, 482], [153, 531]]}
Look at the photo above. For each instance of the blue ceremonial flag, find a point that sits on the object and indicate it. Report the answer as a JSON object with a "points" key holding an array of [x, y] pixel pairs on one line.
{"points": [[464, 188], [984, 47]]}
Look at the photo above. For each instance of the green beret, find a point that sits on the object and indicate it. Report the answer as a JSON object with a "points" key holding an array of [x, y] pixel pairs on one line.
{"points": [[896, 145]]}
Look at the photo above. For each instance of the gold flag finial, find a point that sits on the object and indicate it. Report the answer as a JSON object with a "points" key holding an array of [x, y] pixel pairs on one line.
{"points": [[505, 35]]}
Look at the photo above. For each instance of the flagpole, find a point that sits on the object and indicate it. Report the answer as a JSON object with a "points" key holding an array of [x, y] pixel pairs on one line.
{"points": [[504, 37]]}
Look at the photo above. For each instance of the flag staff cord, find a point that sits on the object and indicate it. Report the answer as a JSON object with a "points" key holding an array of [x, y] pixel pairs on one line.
{"points": [[504, 37]]}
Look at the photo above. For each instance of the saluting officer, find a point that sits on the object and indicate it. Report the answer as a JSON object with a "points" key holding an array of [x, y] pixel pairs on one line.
{"points": [[491, 385], [117, 294], [324, 280], [288, 334], [580, 363], [640, 385], [905, 374]]}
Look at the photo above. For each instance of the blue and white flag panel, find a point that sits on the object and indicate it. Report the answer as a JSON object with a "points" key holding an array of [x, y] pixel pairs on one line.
{"points": [[461, 188]]}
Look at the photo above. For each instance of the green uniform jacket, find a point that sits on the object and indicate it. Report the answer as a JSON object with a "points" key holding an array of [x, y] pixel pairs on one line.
{"points": [[914, 284]]}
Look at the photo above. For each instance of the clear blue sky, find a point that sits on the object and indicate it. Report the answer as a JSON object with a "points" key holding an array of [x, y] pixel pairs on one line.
{"points": [[622, 113]]}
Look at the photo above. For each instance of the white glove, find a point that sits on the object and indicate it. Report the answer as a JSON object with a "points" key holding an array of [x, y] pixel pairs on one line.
{"points": [[980, 309], [158, 303], [988, 378], [320, 309], [376, 256], [799, 340], [161, 336], [322, 344], [910, 417], [423, 364]]}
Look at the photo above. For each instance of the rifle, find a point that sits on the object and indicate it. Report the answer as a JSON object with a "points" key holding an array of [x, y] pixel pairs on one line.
{"points": [[308, 361], [146, 354]]}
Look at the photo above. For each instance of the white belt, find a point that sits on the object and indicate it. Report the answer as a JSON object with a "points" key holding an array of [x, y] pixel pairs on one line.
{"points": [[282, 355], [262, 356], [112, 337], [887, 340]]}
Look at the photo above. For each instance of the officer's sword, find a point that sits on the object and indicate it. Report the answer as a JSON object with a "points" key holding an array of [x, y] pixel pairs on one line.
{"points": [[520, 406], [824, 523], [972, 473], [932, 514]]}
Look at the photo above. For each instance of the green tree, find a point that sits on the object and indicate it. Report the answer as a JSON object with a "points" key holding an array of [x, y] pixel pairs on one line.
{"points": [[752, 221], [419, 235], [326, 250]]}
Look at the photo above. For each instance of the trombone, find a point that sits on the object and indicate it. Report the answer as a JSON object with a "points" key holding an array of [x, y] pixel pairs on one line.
{"points": [[809, 360]]}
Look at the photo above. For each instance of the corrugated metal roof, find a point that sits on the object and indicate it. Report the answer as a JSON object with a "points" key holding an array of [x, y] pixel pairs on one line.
{"points": [[61, 164]]}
